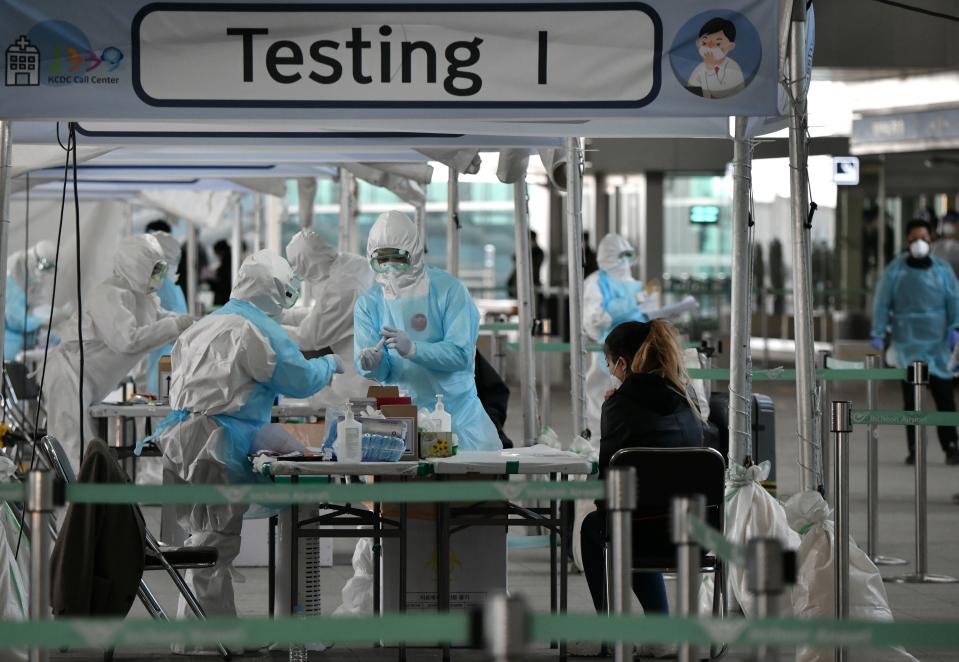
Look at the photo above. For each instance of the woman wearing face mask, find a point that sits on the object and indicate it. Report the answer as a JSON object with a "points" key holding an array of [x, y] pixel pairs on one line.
{"points": [[917, 301], [652, 408]]}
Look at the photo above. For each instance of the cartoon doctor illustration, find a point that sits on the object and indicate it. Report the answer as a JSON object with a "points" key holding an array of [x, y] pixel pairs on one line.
{"points": [[719, 75]]}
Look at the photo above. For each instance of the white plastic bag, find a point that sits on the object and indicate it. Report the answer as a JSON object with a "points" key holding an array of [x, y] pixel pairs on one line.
{"points": [[751, 512], [357, 593], [14, 590], [813, 594]]}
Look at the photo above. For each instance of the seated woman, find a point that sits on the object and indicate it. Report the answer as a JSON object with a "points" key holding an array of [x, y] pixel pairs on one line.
{"points": [[650, 408]]}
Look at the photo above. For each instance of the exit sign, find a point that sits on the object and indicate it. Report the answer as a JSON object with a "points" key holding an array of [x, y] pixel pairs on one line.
{"points": [[704, 214]]}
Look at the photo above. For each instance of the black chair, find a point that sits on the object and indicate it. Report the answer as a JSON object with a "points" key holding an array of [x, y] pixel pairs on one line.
{"points": [[158, 557], [664, 473], [21, 399]]}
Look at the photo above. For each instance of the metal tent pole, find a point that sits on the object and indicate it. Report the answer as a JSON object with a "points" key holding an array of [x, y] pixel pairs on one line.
{"points": [[740, 388], [257, 222], [807, 430], [524, 295], [236, 243], [6, 145], [841, 431], [192, 281], [453, 227], [574, 258], [346, 211]]}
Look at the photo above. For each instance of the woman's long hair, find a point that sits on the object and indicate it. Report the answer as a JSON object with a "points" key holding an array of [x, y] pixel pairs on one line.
{"points": [[655, 349]]}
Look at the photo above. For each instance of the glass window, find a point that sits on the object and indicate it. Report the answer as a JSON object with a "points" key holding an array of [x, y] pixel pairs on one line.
{"points": [[697, 220]]}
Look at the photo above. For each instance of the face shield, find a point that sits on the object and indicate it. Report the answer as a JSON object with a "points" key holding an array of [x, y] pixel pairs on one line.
{"points": [[292, 292], [157, 275], [385, 260]]}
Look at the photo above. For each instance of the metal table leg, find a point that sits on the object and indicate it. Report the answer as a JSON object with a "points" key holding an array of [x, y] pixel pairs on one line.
{"points": [[565, 530], [443, 566], [553, 540], [271, 571], [294, 552], [401, 651], [377, 554]]}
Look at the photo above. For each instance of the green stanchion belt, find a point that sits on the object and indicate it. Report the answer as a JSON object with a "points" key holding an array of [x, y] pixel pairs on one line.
{"points": [[281, 494], [789, 374], [499, 326], [710, 539], [928, 418], [455, 628], [12, 491]]}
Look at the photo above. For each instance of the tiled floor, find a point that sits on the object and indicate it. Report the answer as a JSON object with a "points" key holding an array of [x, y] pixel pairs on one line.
{"points": [[528, 570]]}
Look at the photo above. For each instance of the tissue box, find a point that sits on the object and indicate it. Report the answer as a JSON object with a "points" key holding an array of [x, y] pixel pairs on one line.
{"points": [[436, 444]]}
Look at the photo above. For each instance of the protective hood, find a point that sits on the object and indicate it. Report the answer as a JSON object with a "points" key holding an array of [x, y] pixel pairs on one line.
{"points": [[170, 247], [394, 229], [264, 280], [310, 256], [135, 260], [607, 256], [24, 267]]}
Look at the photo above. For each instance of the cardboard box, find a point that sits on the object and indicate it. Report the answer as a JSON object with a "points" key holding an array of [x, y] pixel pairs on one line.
{"points": [[477, 564], [407, 413], [383, 392]]}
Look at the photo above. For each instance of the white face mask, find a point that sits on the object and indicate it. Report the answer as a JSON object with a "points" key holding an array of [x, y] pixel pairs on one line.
{"points": [[712, 53], [919, 249], [615, 382]]}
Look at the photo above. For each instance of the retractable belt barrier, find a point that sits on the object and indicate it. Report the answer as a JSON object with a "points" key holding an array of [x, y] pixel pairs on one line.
{"points": [[458, 628], [281, 494]]}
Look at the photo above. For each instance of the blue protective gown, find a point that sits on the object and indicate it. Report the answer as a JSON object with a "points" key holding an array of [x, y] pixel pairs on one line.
{"points": [[921, 307], [16, 323], [293, 376], [172, 299], [444, 325], [619, 300]]}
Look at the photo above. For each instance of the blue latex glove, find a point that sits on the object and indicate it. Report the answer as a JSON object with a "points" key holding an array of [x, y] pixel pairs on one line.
{"points": [[953, 339], [878, 344], [370, 358], [399, 340]]}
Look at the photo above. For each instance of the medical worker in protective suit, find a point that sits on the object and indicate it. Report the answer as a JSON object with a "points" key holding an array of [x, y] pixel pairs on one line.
{"points": [[27, 308], [227, 371], [917, 300], [417, 328], [611, 296], [122, 321], [171, 300], [336, 282]]}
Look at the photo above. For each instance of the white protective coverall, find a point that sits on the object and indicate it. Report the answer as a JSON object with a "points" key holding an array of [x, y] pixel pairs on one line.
{"points": [[227, 371], [337, 280], [122, 321], [610, 297]]}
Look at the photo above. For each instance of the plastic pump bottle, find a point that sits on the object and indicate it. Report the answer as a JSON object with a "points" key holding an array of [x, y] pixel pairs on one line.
{"points": [[349, 438], [443, 420]]}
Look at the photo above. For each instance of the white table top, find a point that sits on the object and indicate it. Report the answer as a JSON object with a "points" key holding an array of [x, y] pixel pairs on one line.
{"points": [[280, 467], [526, 461], [149, 410]]}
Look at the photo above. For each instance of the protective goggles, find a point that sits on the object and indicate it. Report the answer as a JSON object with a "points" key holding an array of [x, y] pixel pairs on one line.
{"points": [[385, 259], [159, 271], [629, 256], [43, 264], [292, 293]]}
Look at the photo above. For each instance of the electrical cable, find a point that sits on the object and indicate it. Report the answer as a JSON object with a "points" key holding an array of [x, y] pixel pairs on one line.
{"points": [[919, 10], [76, 211], [46, 348]]}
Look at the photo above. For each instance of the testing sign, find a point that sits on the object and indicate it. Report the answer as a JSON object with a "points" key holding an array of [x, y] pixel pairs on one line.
{"points": [[132, 60]]}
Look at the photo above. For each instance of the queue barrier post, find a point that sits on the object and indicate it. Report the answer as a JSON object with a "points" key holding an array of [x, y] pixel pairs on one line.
{"points": [[823, 462], [506, 627], [545, 331], [39, 507], [874, 362], [686, 508], [769, 568], [841, 430], [918, 377], [620, 503]]}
